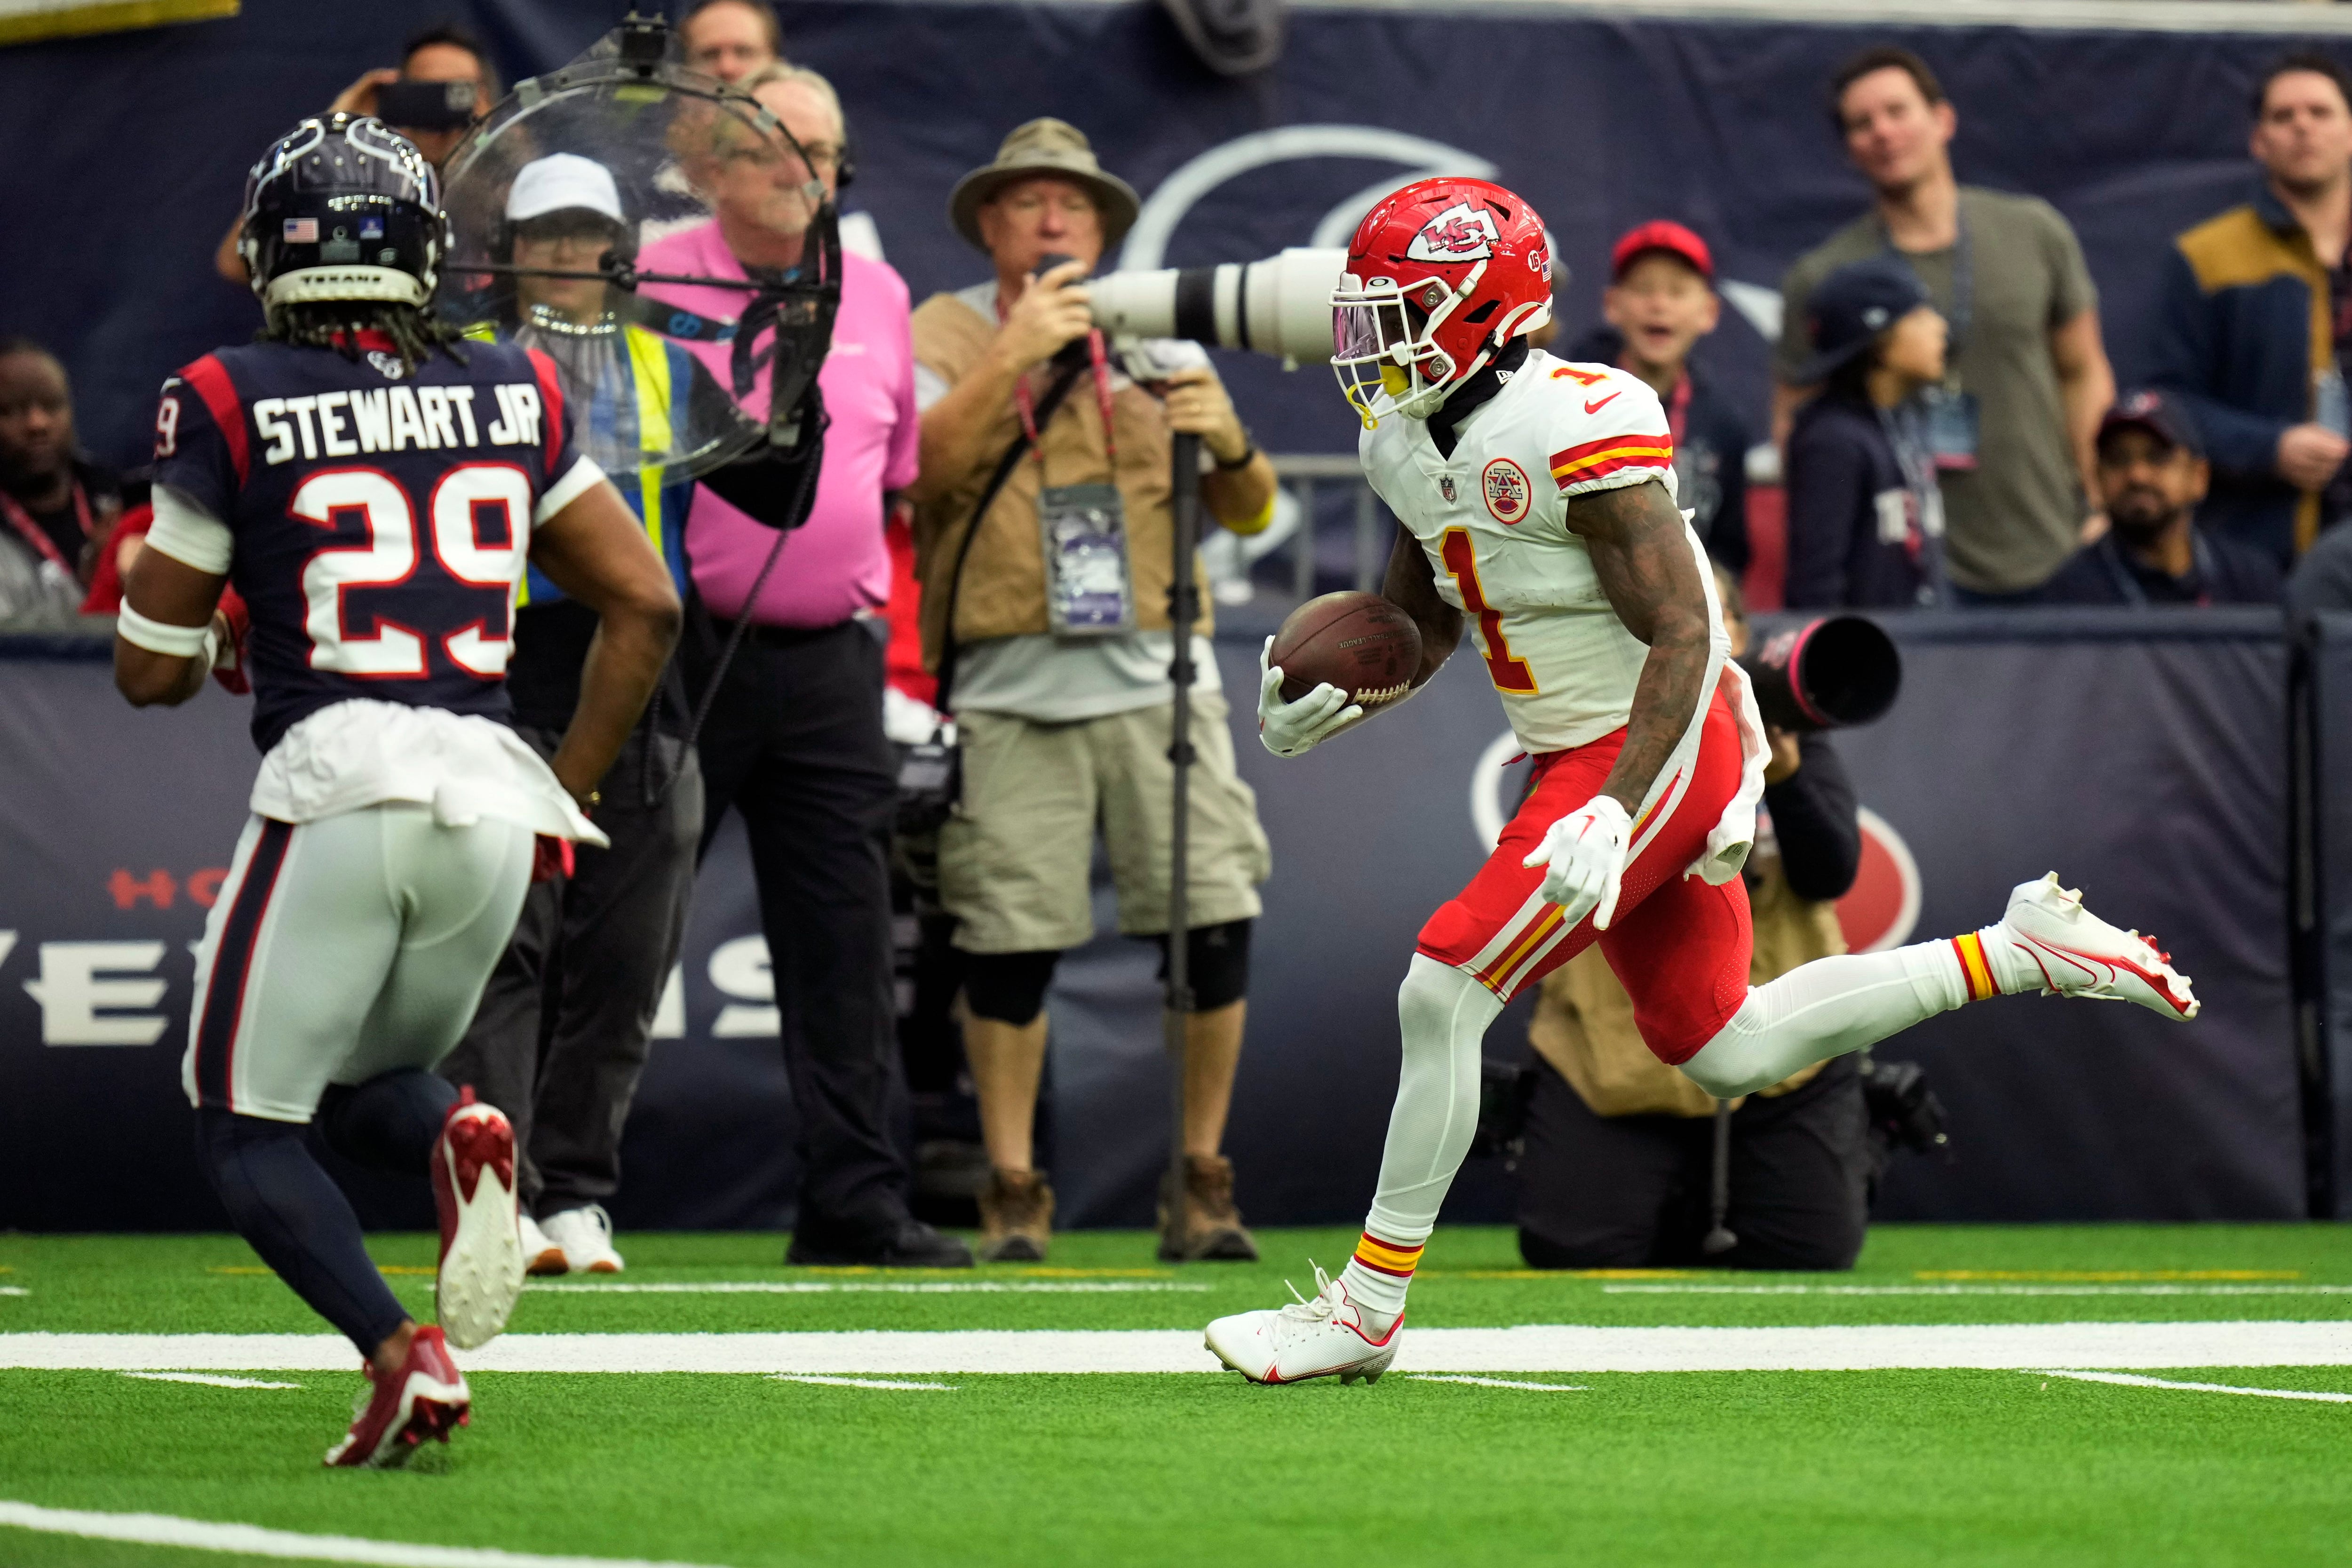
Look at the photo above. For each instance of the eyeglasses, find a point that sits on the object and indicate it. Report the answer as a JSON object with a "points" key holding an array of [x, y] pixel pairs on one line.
{"points": [[768, 155]]}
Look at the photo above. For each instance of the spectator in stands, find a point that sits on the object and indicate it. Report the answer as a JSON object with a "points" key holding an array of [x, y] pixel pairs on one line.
{"points": [[561, 1036], [1061, 690], [445, 53], [1621, 1152], [2322, 580], [2235, 335], [2152, 474], [731, 38], [2011, 425], [794, 739], [57, 508], [1660, 302], [1865, 512]]}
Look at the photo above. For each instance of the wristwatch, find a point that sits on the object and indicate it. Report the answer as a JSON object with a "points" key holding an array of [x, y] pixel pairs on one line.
{"points": [[1249, 455]]}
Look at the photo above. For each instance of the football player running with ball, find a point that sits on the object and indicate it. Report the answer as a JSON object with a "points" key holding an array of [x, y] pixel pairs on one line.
{"points": [[370, 491], [1537, 499]]}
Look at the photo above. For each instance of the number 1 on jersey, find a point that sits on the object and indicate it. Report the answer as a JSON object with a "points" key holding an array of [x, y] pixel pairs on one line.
{"points": [[1509, 673]]}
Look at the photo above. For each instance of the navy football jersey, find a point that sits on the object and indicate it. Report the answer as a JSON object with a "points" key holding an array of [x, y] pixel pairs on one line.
{"points": [[381, 520]]}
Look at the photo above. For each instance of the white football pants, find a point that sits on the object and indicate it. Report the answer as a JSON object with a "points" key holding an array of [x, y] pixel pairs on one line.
{"points": [[343, 948]]}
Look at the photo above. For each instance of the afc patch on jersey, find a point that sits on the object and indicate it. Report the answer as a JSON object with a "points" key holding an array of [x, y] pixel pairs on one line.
{"points": [[1460, 233], [1506, 489]]}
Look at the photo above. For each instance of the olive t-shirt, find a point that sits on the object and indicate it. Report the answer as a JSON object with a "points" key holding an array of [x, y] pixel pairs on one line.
{"points": [[2014, 519]]}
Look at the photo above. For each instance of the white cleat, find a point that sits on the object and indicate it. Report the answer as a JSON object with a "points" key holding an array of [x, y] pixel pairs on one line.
{"points": [[1317, 1338], [481, 1239], [2079, 954], [585, 1236], [540, 1255]]}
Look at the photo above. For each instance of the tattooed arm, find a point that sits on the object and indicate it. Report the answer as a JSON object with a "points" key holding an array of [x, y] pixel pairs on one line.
{"points": [[1411, 586], [1642, 553]]}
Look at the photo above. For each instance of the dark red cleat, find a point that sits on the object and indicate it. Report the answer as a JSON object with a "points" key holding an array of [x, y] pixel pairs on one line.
{"points": [[481, 1248], [427, 1397]]}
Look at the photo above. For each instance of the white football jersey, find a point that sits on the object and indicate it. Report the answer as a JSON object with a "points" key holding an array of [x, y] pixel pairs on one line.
{"points": [[1493, 519]]}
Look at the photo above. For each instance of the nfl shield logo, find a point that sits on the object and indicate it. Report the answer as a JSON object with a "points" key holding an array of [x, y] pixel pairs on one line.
{"points": [[1445, 487]]}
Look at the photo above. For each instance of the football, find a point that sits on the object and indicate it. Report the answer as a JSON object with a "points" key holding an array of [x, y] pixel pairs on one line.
{"points": [[1360, 643]]}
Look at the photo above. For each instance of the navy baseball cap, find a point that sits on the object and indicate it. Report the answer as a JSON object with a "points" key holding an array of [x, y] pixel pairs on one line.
{"points": [[2160, 414], [1852, 306]]}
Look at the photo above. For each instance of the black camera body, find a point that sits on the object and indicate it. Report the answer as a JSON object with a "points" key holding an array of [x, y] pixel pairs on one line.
{"points": [[426, 105]]}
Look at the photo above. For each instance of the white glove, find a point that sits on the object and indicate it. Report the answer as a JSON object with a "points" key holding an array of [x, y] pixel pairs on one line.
{"points": [[1289, 728], [1586, 852]]}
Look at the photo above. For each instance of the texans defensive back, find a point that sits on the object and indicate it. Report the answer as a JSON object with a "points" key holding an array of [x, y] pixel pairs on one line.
{"points": [[370, 491], [1537, 504]]}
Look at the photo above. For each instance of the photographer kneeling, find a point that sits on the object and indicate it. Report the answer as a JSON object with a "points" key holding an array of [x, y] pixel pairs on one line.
{"points": [[1042, 537], [1620, 1163]]}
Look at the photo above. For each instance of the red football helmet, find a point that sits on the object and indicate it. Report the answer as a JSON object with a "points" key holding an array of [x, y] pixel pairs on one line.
{"points": [[1440, 276]]}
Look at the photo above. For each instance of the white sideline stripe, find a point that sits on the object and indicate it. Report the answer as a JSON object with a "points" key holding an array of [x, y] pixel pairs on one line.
{"points": [[209, 1379], [1976, 1289], [1499, 1382], [253, 1540], [2128, 1380], [897, 1287], [1855, 1347], [14, 1290], [863, 1382]]}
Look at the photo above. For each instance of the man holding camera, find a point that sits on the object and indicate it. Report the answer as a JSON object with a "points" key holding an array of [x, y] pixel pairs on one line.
{"points": [[1043, 530], [1618, 1169]]}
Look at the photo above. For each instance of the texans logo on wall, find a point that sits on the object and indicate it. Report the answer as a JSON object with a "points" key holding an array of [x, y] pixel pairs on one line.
{"points": [[1879, 910]]}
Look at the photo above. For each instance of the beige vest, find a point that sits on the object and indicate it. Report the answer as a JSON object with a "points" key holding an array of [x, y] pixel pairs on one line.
{"points": [[1003, 591], [1583, 1023]]}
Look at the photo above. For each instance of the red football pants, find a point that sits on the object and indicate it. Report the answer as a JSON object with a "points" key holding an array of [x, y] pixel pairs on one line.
{"points": [[1678, 945]]}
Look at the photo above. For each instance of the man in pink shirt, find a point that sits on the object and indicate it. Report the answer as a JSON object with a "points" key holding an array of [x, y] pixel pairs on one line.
{"points": [[794, 739]]}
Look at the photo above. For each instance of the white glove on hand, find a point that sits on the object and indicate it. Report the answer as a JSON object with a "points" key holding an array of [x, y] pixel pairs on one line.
{"points": [[1586, 852], [1289, 728]]}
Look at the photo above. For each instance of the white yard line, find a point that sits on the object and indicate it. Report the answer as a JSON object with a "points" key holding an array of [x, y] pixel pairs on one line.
{"points": [[1858, 1347], [1498, 1382], [14, 1290], [879, 1287], [1808, 1289], [862, 1383], [253, 1540], [2128, 1380], [209, 1379]]}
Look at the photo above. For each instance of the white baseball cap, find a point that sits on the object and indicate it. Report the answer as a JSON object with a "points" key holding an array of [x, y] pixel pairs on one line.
{"points": [[559, 181]]}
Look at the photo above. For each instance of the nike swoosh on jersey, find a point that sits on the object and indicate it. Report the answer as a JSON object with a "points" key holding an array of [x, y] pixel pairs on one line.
{"points": [[1595, 407]]}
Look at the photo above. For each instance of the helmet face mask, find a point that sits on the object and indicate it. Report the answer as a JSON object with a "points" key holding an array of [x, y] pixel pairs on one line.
{"points": [[342, 208], [1439, 277]]}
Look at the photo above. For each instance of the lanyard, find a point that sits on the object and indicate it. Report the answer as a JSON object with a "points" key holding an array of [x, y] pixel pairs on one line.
{"points": [[1028, 408], [37, 536], [1677, 410], [1964, 273], [2134, 592]]}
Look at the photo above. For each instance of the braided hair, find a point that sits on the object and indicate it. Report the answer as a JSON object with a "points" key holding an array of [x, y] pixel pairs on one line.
{"points": [[416, 334]]}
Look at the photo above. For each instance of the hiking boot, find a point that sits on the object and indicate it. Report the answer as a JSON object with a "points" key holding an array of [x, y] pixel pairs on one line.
{"points": [[1016, 1218], [1211, 1229]]}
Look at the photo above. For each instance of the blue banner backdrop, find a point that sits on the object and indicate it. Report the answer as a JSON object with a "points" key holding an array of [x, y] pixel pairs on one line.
{"points": [[132, 148], [2143, 757]]}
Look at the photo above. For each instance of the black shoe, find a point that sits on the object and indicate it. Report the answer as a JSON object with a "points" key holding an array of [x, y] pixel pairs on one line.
{"points": [[911, 1245]]}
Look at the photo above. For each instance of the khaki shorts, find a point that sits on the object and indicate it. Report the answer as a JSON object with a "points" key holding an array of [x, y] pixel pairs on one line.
{"points": [[1013, 859]]}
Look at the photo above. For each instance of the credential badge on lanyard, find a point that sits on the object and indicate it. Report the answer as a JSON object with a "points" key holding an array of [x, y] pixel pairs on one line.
{"points": [[1949, 412], [1081, 529]]}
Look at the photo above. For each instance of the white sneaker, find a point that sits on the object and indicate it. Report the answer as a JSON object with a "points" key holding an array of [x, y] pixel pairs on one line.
{"points": [[541, 1254], [2076, 953], [1305, 1339], [585, 1236]]}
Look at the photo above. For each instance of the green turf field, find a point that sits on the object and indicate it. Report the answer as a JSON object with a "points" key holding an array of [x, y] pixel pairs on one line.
{"points": [[742, 1470]]}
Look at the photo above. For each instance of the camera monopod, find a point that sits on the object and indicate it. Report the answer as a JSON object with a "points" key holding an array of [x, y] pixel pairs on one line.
{"points": [[1183, 611]]}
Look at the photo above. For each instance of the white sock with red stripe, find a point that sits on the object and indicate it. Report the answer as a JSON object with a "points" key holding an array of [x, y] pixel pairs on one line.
{"points": [[1443, 1014], [1833, 1005]]}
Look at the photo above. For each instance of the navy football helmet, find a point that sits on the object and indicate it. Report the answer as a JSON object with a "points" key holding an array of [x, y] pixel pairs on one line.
{"points": [[343, 209]]}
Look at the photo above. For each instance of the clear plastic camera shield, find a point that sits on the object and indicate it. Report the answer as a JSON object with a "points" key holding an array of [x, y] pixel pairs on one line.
{"points": [[658, 390]]}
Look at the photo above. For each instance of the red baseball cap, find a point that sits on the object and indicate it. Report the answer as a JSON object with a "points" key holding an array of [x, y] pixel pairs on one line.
{"points": [[1661, 233]]}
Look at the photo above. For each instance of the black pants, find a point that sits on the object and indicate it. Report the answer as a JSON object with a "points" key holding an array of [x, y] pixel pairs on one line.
{"points": [[560, 1039], [1631, 1192], [794, 742]]}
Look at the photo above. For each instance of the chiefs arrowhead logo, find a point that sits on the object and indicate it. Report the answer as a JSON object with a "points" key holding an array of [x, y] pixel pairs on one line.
{"points": [[1460, 233]]}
